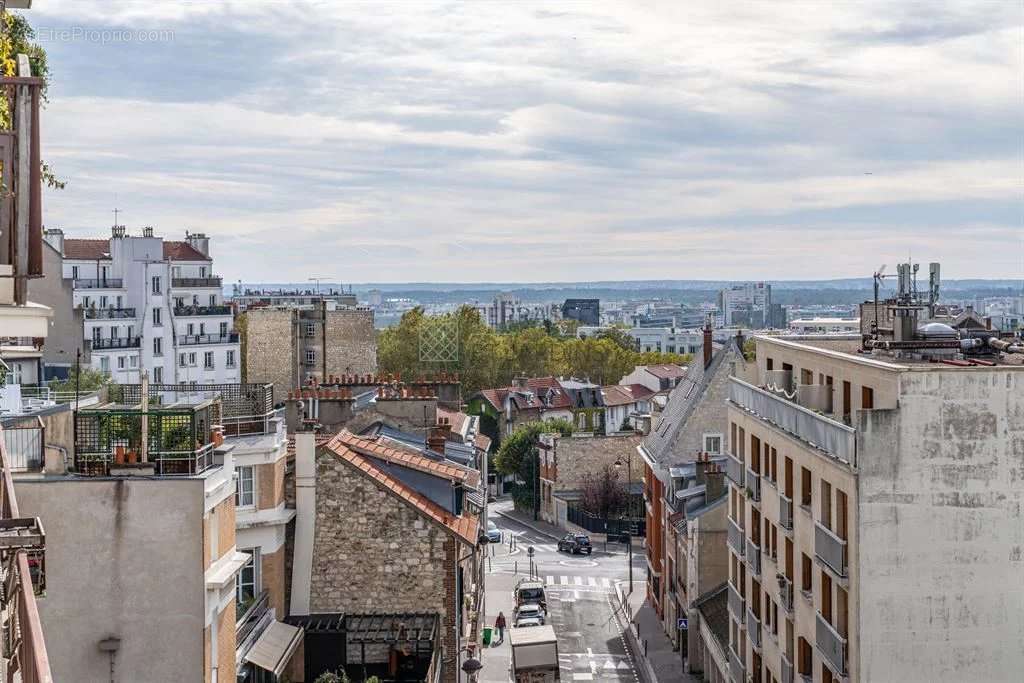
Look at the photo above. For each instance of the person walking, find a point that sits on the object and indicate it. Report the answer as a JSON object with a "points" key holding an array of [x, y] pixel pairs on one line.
{"points": [[499, 626]]}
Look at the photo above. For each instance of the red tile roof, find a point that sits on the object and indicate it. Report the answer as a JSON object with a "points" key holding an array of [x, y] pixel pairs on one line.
{"points": [[408, 458], [183, 251], [666, 371], [456, 418], [483, 442], [465, 527], [86, 249], [538, 386], [620, 395]]}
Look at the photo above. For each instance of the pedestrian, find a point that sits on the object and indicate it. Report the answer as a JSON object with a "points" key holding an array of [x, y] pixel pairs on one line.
{"points": [[499, 626]]}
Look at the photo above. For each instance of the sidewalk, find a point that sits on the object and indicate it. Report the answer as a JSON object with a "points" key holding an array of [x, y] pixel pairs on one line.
{"points": [[505, 508], [653, 650]]}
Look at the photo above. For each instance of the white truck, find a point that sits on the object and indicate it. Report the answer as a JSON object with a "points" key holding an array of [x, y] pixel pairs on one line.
{"points": [[534, 654]]}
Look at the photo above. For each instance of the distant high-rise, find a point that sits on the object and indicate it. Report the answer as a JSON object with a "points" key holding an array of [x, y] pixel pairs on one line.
{"points": [[585, 311], [750, 305]]}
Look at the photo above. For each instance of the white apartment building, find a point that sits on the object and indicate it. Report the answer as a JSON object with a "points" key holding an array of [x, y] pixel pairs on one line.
{"points": [[747, 305], [151, 304], [674, 339], [825, 326], [507, 309]]}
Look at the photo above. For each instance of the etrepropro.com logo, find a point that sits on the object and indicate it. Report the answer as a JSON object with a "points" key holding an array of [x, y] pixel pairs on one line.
{"points": [[86, 34]]}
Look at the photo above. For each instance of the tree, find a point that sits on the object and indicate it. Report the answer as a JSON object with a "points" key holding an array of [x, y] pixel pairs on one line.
{"points": [[603, 493], [517, 456], [619, 336], [88, 380]]}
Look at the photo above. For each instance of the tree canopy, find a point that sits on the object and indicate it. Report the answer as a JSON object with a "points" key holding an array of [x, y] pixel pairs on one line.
{"points": [[487, 358], [516, 456]]}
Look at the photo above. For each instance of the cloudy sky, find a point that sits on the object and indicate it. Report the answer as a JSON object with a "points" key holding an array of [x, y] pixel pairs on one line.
{"points": [[545, 142]]}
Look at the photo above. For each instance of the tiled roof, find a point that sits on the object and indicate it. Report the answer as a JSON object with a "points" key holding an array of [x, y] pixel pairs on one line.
{"points": [[714, 609], [183, 251], [483, 442], [539, 386], [408, 458], [465, 527], [86, 249], [456, 418], [620, 395], [666, 371]]}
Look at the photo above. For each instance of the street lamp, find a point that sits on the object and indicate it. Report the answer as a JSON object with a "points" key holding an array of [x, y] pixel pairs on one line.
{"points": [[629, 500]]}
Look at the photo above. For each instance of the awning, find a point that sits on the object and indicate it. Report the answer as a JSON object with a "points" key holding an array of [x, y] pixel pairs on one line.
{"points": [[275, 647]]}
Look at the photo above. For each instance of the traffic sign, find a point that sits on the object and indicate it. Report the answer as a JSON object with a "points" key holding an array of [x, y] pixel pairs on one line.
{"points": [[682, 623]]}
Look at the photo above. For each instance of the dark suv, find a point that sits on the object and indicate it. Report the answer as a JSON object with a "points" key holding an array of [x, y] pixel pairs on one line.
{"points": [[575, 543]]}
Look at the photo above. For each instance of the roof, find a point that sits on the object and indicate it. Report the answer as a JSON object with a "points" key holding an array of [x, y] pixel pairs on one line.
{"points": [[620, 395], [666, 371], [537, 387], [714, 610], [86, 249], [375, 448], [183, 251], [464, 527], [456, 418], [482, 441], [685, 398]]}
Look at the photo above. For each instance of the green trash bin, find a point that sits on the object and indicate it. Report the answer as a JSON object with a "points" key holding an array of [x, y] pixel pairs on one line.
{"points": [[487, 636]]}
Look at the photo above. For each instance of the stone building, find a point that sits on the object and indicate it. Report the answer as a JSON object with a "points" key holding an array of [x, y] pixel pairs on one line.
{"points": [[383, 528], [289, 347]]}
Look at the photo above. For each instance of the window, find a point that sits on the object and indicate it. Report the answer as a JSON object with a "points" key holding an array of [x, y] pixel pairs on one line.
{"points": [[133, 361], [208, 360], [231, 359], [805, 573], [158, 375], [86, 303], [245, 491], [826, 504], [120, 362], [192, 358], [156, 318], [156, 285], [105, 364], [119, 302], [103, 302], [310, 330], [96, 332], [310, 356], [202, 271], [805, 487], [114, 332], [202, 328], [158, 346], [195, 299], [713, 444], [867, 398], [182, 359], [223, 329], [247, 581], [213, 299], [74, 272]]}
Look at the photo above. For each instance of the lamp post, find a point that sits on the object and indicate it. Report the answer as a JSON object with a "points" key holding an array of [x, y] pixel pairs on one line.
{"points": [[629, 500]]}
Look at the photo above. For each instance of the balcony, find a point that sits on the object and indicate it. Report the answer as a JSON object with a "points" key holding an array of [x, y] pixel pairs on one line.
{"points": [[249, 615], [830, 549], [753, 485], [190, 282], [202, 310], [199, 339], [785, 512], [786, 592], [734, 469], [102, 344], [787, 670], [754, 629], [24, 443], [754, 558], [737, 669], [736, 602], [736, 536], [833, 438], [109, 313], [99, 283], [831, 645]]}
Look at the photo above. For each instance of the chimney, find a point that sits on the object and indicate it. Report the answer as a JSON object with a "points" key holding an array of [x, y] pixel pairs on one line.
{"points": [[714, 483], [522, 382], [707, 343], [147, 231], [703, 464], [438, 435]]}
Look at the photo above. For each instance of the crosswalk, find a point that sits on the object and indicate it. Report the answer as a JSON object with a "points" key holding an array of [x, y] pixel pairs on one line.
{"points": [[592, 581]]}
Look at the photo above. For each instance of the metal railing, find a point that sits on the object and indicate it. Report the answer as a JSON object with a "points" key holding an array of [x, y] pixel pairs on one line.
{"points": [[104, 343], [24, 648], [734, 469], [754, 629], [195, 282], [250, 618], [830, 549], [99, 283], [737, 669], [786, 592], [109, 313], [753, 485], [829, 436], [245, 425], [754, 558], [736, 537], [24, 441], [165, 462], [202, 310], [736, 602], [831, 645], [785, 511], [197, 339]]}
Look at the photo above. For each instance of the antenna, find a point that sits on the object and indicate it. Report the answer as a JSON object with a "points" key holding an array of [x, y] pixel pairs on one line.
{"points": [[116, 211]]}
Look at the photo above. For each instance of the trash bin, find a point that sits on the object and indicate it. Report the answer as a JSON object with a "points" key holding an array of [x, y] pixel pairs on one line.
{"points": [[487, 636]]}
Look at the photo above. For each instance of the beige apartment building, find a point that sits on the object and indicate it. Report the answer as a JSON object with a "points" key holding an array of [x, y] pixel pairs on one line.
{"points": [[875, 518]]}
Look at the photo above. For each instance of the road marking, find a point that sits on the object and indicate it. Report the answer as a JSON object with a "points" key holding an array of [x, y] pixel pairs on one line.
{"points": [[623, 665], [583, 676], [549, 579], [609, 664], [590, 652]]}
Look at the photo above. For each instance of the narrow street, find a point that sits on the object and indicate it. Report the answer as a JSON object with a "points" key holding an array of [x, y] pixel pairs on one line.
{"points": [[581, 603]]}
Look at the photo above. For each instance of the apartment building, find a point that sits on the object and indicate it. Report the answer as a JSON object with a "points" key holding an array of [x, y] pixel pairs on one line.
{"points": [[750, 306], [507, 309], [152, 305], [244, 298], [874, 506]]}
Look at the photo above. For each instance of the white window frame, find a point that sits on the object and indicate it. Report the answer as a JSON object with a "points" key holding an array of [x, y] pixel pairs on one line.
{"points": [[209, 362], [231, 358], [240, 491], [105, 363], [713, 435], [254, 564], [157, 322], [158, 375], [182, 360], [156, 285], [158, 346], [310, 356]]}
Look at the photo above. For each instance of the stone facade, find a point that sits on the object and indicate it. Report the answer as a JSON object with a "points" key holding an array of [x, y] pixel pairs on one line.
{"points": [[351, 342], [268, 349]]}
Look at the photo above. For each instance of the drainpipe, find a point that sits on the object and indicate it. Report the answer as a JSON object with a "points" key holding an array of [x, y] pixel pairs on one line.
{"points": [[144, 457]]}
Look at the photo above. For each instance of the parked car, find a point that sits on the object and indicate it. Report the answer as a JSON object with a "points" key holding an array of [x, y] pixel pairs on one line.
{"points": [[526, 623], [493, 532], [530, 610], [575, 543]]}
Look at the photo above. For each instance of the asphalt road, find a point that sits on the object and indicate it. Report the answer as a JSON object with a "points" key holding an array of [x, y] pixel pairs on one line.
{"points": [[581, 595]]}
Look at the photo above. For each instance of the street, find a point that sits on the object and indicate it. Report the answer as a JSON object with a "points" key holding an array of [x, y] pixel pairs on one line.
{"points": [[581, 603]]}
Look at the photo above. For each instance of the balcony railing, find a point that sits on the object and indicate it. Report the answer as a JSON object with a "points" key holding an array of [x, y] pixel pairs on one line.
{"points": [[736, 602], [202, 310], [834, 438], [250, 615], [753, 485], [754, 629], [785, 511], [736, 538], [830, 549], [831, 645], [197, 339], [754, 558], [737, 669], [786, 592], [734, 469], [104, 343], [109, 313], [99, 283], [24, 443], [181, 282], [787, 670]]}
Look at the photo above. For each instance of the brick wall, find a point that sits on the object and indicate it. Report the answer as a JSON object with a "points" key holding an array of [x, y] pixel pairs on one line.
{"points": [[269, 349], [270, 480], [226, 521], [272, 570], [226, 643], [351, 342], [207, 650]]}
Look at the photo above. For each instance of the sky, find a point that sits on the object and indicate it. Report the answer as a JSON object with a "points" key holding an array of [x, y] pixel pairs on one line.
{"points": [[535, 142]]}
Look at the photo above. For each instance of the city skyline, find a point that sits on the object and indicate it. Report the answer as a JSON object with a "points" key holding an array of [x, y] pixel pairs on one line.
{"points": [[450, 143]]}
